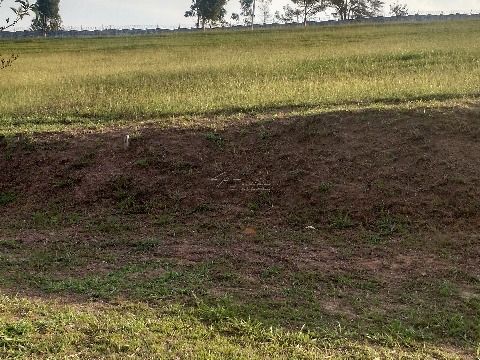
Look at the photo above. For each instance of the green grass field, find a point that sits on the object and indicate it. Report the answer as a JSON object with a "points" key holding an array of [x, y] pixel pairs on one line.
{"points": [[287, 194], [101, 80]]}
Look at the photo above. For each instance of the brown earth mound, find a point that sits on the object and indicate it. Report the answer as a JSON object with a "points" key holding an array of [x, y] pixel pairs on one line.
{"points": [[340, 169]]}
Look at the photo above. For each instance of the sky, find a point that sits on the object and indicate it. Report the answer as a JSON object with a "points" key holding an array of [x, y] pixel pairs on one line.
{"points": [[169, 13]]}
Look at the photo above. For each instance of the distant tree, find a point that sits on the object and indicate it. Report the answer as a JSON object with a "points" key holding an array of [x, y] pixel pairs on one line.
{"points": [[304, 9], [194, 11], [47, 16], [215, 11], [289, 15], [207, 12], [398, 9], [19, 9], [279, 17], [235, 18], [264, 8], [248, 11], [356, 9]]}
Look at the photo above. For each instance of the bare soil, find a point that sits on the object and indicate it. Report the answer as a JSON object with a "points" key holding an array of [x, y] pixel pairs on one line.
{"points": [[240, 189], [340, 169]]}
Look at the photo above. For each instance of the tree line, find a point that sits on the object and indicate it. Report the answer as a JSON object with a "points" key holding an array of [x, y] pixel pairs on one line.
{"points": [[212, 12]]}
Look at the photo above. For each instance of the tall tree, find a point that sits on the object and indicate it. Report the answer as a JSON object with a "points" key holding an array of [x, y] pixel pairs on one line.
{"points": [[47, 16], [248, 11], [264, 8], [195, 11], [356, 9], [207, 12], [19, 9]]}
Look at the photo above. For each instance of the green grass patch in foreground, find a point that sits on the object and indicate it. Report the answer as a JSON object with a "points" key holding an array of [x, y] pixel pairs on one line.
{"points": [[46, 329], [91, 81], [133, 303]]}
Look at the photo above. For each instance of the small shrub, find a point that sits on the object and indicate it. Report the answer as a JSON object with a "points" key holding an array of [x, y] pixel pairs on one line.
{"points": [[143, 163], [215, 139], [129, 199], [66, 183], [84, 161], [325, 187], [341, 221], [388, 225], [7, 198]]}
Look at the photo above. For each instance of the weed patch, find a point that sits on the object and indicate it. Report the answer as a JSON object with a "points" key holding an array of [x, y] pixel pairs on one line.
{"points": [[7, 198]]}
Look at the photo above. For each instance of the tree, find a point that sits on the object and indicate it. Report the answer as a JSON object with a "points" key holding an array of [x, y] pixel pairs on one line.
{"points": [[304, 8], [194, 11], [248, 11], [356, 9], [207, 12], [235, 18], [20, 9], [289, 15], [264, 7], [47, 16], [398, 9]]}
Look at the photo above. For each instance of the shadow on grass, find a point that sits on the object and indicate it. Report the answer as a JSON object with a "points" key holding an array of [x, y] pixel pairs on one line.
{"points": [[64, 121]]}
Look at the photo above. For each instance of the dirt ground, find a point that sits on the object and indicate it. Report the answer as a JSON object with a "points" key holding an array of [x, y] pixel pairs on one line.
{"points": [[295, 172]]}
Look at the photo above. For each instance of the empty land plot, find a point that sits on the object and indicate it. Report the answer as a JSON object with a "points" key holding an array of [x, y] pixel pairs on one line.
{"points": [[307, 219]]}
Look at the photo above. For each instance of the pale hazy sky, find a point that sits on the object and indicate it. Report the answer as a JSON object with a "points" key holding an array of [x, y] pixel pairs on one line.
{"points": [[169, 13]]}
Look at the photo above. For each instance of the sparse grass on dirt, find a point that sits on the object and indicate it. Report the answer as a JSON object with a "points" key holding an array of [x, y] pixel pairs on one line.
{"points": [[295, 195]]}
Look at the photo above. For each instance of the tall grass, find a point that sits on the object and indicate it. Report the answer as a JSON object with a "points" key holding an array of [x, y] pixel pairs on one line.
{"points": [[62, 81]]}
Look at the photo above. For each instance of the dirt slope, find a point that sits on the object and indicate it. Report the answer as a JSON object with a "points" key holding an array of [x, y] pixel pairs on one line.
{"points": [[297, 172]]}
